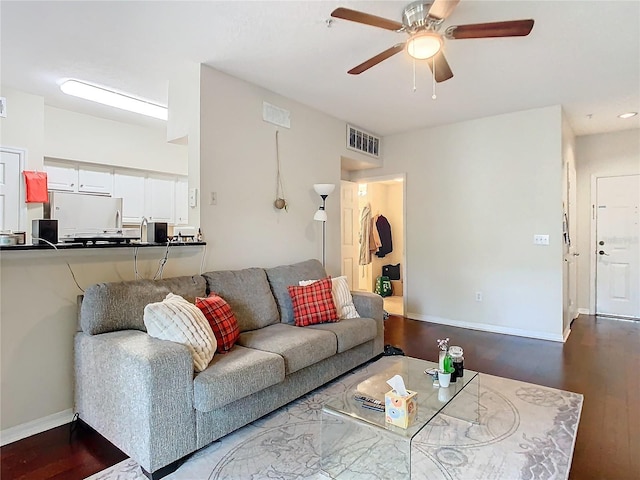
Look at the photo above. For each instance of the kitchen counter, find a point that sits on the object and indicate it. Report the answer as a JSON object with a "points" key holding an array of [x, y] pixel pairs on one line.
{"points": [[88, 245]]}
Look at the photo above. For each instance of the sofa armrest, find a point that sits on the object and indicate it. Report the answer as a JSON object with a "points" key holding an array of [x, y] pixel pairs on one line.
{"points": [[371, 305], [137, 391]]}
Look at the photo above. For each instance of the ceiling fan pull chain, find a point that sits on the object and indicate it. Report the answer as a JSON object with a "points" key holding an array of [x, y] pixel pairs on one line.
{"points": [[414, 75], [433, 96]]}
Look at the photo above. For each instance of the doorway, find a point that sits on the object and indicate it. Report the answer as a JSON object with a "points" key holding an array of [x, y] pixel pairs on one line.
{"points": [[617, 252], [12, 207], [383, 199]]}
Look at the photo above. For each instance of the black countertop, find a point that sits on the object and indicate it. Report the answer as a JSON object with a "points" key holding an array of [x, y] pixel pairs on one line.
{"points": [[98, 244]]}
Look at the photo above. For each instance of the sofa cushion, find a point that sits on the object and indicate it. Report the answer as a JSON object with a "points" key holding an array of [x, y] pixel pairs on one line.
{"points": [[341, 296], [221, 319], [241, 372], [350, 332], [313, 303], [300, 347], [283, 276], [249, 295], [179, 321], [108, 307]]}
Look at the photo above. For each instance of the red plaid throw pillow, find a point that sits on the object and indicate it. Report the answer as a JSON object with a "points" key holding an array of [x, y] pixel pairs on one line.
{"points": [[222, 320], [313, 303]]}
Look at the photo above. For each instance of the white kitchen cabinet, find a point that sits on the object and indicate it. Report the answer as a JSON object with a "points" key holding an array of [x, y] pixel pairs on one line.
{"points": [[131, 188], [160, 196], [69, 177], [95, 180], [61, 177], [182, 201]]}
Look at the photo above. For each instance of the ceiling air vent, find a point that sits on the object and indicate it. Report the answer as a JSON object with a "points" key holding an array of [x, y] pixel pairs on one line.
{"points": [[363, 142]]}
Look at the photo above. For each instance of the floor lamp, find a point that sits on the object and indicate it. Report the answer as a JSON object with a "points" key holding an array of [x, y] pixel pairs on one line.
{"points": [[323, 189]]}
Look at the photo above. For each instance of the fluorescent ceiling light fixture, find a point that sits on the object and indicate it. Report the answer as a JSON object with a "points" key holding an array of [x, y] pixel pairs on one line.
{"points": [[113, 99], [627, 115]]}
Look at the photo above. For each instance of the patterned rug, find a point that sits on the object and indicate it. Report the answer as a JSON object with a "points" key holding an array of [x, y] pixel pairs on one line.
{"points": [[525, 432]]}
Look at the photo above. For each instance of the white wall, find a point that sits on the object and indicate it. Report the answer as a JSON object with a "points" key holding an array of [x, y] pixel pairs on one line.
{"points": [[75, 136], [238, 162], [476, 193], [602, 155]]}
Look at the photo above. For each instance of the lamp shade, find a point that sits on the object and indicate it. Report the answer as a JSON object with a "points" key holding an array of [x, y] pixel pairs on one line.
{"points": [[320, 215], [324, 188]]}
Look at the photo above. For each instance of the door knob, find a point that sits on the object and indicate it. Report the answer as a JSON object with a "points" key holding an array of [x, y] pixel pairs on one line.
{"points": [[601, 252], [601, 242]]}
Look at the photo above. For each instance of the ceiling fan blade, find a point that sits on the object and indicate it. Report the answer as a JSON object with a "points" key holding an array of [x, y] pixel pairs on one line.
{"points": [[366, 18], [443, 70], [512, 28], [372, 62], [441, 9]]}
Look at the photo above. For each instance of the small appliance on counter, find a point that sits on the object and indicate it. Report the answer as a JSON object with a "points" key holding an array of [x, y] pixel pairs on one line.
{"points": [[44, 231], [86, 218], [157, 232]]}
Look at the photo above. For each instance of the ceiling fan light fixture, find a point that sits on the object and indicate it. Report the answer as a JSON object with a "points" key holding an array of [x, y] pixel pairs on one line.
{"points": [[424, 45]]}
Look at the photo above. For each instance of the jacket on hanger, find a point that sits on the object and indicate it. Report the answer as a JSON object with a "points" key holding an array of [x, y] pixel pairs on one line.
{"points": [[365, 234], [384, 230]]}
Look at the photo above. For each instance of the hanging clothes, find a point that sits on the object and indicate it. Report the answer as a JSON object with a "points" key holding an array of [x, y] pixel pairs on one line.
{"points": [[384, 230], [375, 242], [365, 234]]}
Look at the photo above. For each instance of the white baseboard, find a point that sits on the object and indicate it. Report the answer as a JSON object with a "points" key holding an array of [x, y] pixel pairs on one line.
{"points": [[486, 327], [39, 425], [584, 311]]}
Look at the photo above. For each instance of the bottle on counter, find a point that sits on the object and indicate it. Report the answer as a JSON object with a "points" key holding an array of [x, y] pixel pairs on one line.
{"points": [[457, 358]]}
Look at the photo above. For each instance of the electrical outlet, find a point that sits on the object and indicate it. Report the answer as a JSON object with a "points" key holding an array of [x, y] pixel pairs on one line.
{"points": [[541, 239], [478, 296], [193, 197], [213, 199]]}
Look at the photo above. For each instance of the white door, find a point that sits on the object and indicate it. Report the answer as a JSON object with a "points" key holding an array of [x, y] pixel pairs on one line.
{"points": [[570, 280], [617, 247], [349, 231], [131, 188], [11, 196], [160, 199]]}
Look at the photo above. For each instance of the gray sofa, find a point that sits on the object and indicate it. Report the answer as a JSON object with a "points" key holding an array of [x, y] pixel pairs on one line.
{"points": [[141, 393]]}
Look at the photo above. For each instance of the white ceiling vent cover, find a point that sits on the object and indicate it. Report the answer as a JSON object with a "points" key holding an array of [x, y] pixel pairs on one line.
{"points": [[363, 142]]}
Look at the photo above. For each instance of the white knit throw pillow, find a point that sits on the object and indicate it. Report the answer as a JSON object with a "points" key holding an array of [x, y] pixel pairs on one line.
{"points": [[177, 320]]}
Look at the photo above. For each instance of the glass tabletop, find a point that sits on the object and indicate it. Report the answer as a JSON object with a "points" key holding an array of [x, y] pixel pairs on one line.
{"points": [[372, 383]]}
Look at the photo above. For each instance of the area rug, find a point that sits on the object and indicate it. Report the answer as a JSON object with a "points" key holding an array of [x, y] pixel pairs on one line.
{"points": [[525, 431]]}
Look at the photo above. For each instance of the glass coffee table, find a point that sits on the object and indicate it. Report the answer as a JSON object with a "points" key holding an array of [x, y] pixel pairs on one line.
{"points": [[357, 443]]}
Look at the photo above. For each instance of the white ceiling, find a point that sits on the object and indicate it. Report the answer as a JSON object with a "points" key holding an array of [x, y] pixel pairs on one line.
{"points": [[583, 55]]}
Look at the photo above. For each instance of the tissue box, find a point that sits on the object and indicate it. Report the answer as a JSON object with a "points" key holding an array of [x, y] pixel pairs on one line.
{"points": [[400, 411]]}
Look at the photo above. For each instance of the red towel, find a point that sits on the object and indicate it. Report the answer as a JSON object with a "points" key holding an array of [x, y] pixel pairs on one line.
{"points": [[36, 183]]}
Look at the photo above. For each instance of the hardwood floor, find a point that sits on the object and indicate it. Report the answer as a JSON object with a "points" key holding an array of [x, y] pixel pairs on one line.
{"points": [[601, 360]]}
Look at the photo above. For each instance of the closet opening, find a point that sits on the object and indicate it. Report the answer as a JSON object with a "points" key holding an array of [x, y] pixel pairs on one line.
{"points": [[373, 233]]}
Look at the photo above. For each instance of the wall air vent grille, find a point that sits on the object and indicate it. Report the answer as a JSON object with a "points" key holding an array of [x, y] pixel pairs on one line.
{"points": [[363, 142]]}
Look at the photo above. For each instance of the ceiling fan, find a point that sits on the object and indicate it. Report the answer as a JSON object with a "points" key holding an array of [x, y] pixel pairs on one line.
{"points": [[422, 21]]}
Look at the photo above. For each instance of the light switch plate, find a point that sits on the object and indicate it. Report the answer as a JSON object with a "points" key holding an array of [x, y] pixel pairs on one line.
{"points": [[3, 107], [541, 239], [193, 197]]}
